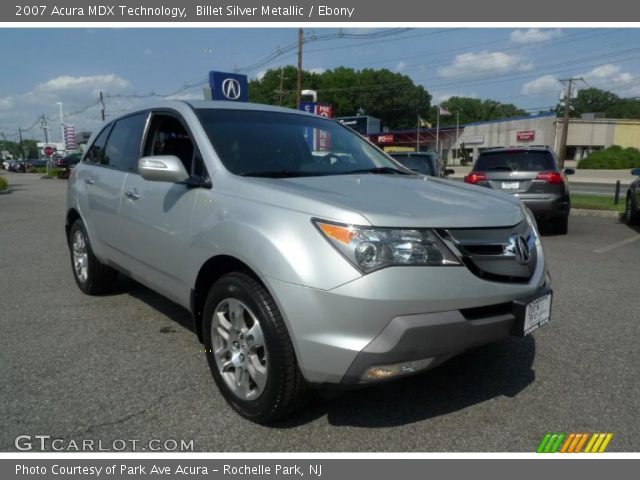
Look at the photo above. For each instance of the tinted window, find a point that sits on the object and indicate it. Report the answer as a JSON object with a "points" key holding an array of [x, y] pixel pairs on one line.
{"points": [[123, 147], [281, 144], [517, 160], [167, 136], [96, 152], [420, 164]]}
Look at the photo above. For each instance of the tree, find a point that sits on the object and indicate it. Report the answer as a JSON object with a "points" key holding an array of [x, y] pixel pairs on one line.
{"points": [[590, 100], [475, 110], [29, 147], [390, 96]]}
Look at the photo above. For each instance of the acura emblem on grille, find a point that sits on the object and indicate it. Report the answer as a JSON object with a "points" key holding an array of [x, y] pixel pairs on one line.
{"points": [[519, 248]]}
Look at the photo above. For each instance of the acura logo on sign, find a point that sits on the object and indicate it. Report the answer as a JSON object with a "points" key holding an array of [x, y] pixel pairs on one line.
{"points": [[231, 88], [519, 248]]}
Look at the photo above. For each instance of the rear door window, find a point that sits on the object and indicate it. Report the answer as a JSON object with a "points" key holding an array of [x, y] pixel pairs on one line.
{"points": [[123, 147], [96, 152], [517, 160]]}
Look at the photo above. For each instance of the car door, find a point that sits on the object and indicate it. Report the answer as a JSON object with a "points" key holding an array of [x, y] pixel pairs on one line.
{"points": [[103, 185], [156, 216]]}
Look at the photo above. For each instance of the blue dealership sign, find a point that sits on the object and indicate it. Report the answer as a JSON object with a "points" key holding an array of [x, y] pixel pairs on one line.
{"points": [[229, 86]]}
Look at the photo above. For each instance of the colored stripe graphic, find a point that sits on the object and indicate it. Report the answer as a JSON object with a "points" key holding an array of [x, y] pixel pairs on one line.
{"points": [[573, 442], [598, 442], [581, 443], [550, 443]]}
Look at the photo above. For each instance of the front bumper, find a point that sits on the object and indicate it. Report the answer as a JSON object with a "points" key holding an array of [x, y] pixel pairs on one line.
{"points": [[395, 315]]}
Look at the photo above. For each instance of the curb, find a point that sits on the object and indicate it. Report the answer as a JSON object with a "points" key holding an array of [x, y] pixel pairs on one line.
{"points": [[580, 212]]}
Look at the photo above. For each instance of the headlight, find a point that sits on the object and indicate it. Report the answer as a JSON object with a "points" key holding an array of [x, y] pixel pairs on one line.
{"points": [[532, 221], [370, 248]]}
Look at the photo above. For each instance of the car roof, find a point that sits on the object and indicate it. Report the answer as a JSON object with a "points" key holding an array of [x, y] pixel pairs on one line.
{"points": [[180, 105], [516, 149], [413, 154]]}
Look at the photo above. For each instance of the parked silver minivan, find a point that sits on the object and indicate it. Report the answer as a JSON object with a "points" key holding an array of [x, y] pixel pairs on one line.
{"points": [[306, 255]]}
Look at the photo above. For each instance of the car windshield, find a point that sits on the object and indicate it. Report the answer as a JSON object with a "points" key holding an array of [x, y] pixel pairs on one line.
{"points": [[279, 145], [515, 160], [422, 164]]}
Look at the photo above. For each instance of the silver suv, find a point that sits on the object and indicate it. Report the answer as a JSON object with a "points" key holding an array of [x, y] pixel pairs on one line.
{"points": [[306, 256]]}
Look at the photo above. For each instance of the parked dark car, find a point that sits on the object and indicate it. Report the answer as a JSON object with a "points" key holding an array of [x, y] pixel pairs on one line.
{"points": [[19, 166], [16, 166], [68, 161], [632, 209], [426, 163], [532, 175], [36, 163]]}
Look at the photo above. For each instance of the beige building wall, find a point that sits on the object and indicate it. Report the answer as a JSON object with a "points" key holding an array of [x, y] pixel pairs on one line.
{"points": [[627, 133]]}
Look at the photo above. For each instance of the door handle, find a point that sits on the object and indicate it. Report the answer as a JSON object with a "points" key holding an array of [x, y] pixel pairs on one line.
{"points": [[89, 181], [132, 194]]}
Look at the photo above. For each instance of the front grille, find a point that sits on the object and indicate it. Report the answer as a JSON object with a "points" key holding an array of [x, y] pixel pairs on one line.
{"points": [[496, 254]]}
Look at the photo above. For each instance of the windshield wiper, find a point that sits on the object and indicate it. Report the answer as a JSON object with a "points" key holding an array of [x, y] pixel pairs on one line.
{"points": [[376, 170], [279, 174]]}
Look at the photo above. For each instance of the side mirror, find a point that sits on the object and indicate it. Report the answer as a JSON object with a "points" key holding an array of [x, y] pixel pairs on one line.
{"points": [[569, 171], [636, 172], [449, 171], [162, 168]]}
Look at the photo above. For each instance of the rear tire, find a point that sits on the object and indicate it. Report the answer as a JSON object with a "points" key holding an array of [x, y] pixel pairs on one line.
{"points": [[257, 375], [562, 225], [631, 215], [91, 276]]}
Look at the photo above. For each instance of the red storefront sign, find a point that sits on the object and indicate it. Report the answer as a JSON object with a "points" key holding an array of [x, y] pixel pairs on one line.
{"points": [[526, 135], [324, 111], [385, 138]]}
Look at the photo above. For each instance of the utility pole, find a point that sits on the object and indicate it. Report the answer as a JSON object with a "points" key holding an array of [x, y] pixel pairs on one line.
{"points": [[102, 105], [562, 149], [21, 147], [299, 83], [43, 124], [281, 92]]}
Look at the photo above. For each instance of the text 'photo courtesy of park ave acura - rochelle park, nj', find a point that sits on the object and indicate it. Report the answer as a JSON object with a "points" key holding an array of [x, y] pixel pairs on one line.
{"points": [[318, 238]]}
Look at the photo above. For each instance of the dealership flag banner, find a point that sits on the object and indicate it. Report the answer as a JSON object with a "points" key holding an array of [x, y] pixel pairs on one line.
{"points": [[69, 137]]}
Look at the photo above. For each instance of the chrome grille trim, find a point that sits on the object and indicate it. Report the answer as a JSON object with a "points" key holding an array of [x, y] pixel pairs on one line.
{"points": [[495, 254]]}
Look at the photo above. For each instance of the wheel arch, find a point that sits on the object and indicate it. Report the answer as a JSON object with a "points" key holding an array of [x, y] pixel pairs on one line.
{"points": [[210, 272]]}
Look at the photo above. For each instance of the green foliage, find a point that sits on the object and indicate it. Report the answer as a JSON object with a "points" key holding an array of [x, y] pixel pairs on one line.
{"points": [[390, 96], [594, 100], [3, 183], [595, 202], [29, 147], [475, 110], [612, 158]]}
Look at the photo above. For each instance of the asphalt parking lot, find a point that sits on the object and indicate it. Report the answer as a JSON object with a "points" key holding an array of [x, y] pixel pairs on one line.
{"points": [[127, 366]]}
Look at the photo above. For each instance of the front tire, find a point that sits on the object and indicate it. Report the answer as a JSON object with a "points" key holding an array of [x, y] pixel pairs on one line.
{"points": [[91, 276], [249, 350]]}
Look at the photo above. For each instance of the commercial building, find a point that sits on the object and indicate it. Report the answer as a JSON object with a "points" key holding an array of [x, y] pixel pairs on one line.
{"points": [[585, 135]]}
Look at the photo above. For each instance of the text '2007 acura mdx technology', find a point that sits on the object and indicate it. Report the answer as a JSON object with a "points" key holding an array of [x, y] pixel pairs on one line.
{"points": [[306, 256]]}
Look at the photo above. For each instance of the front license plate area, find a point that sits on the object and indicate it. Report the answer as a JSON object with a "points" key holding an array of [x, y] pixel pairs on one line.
{"points": [[532, 313]]}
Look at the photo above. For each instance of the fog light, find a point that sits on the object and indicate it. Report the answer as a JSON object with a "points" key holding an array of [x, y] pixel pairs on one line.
{"points": [[383, 372]]}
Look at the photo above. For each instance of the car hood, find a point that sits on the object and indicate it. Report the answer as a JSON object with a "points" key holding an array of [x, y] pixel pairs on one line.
{"points": [[407, 201]]}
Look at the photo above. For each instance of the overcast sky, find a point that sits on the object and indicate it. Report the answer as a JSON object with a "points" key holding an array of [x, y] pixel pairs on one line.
{"points": [[41, 67]]}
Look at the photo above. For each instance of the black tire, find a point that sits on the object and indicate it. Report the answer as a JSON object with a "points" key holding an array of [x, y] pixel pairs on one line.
{"points": [[631, 215], [562, 225], [100, 278], [285, 389]]}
